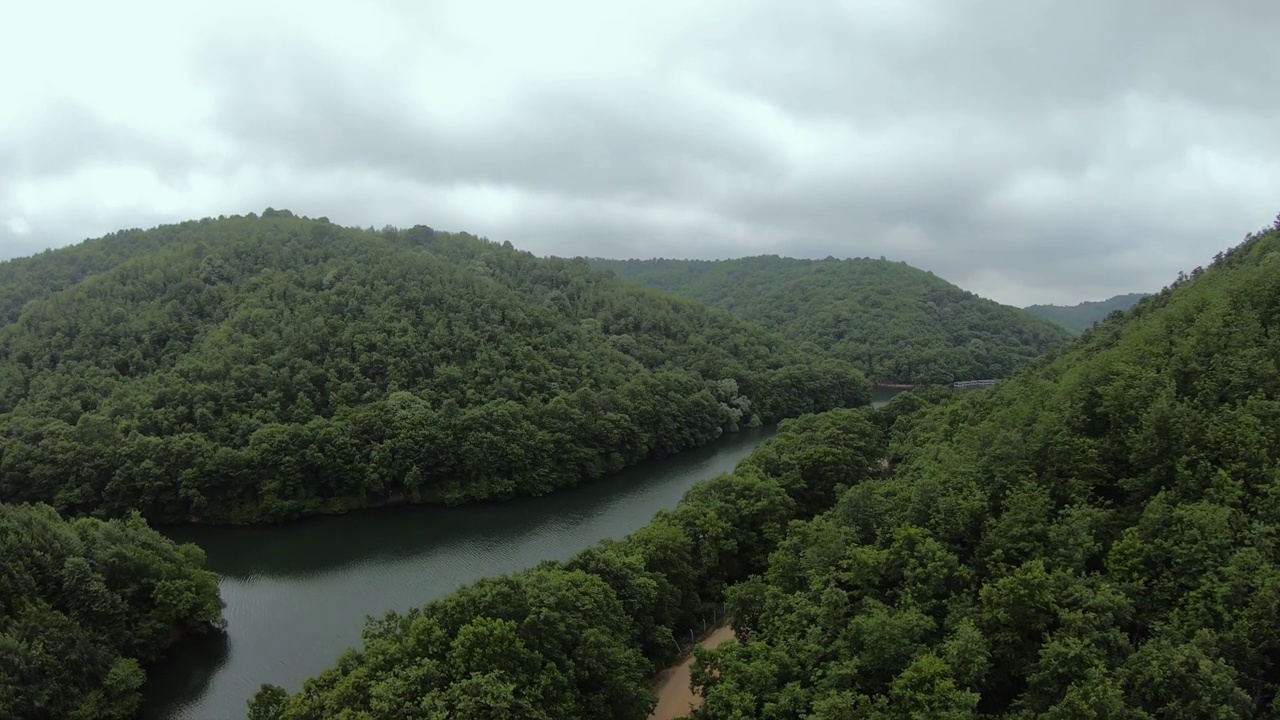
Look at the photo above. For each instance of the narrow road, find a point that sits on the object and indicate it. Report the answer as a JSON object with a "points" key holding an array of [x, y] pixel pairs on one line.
{"points": [[675, 699]]}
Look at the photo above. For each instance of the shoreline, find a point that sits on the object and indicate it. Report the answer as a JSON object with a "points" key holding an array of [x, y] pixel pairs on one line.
{"points": [[335, 506]]}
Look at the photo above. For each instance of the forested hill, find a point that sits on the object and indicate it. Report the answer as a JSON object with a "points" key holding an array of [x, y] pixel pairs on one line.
{"points": [[258, 368], [1078, 318], [896, 322], [84, 604], [1095, 538]]}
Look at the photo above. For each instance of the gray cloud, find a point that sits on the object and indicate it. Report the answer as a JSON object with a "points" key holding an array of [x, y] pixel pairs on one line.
{"points": [[1031, 152], [629, 141], [63, 137]]}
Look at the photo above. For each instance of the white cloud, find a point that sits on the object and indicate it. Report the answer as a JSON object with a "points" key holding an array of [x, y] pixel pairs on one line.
{"points": [[1055, 151], [18, 226]]}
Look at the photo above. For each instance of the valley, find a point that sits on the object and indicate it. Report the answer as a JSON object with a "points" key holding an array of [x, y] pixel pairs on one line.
{"points": [[563, 433]]}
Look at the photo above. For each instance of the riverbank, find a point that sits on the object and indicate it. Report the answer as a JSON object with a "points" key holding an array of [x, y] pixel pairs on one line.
{"points": [[675, 699], [282, 582]]}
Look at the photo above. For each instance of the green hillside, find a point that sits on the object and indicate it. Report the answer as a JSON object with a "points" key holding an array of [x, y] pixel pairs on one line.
{"points": [[260, 368], [1078, 318], [84, 605], [1095, 538], [899, 324]]}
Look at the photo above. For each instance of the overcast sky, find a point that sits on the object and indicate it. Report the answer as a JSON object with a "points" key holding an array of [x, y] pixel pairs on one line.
{"points": [[1028, 151]]}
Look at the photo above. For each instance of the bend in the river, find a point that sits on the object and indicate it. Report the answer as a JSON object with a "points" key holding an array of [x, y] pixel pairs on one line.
{"points": [[297, 594]]}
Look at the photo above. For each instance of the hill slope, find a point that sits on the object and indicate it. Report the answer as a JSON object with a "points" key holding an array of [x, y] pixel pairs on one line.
{"points": [[261, 368], [1078, 318], [84, 604], [1095, 537], [897, 323]]}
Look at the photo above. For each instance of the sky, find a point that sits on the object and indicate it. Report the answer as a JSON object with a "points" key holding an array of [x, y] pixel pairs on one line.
{"points": [[1027, 151]]}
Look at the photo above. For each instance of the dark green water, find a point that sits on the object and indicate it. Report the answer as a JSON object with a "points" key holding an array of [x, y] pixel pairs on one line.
{"points": [[297, 594]]}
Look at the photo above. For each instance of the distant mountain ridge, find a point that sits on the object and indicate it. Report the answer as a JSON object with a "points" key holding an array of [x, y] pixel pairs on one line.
{"points": [[1081, 317], [898, 323]]}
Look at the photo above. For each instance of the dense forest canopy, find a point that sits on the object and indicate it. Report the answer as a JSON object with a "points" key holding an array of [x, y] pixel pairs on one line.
{"points": [[582, 638], [84, 604], [895, 322], [1095, 538], [257, 368], [1078, 318]]}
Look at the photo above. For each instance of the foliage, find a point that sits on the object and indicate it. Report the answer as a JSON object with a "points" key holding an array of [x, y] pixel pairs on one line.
{"points": [[83, 604], [1094, 538], [1078, 318], [262, 368], [581, 639], [895, 322]]}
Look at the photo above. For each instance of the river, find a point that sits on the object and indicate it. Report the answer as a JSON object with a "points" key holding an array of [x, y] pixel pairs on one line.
{"points": [[296, 595]]}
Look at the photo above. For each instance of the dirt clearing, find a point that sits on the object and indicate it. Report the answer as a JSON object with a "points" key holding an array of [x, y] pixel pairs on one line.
{"points": [[675, 699]]}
